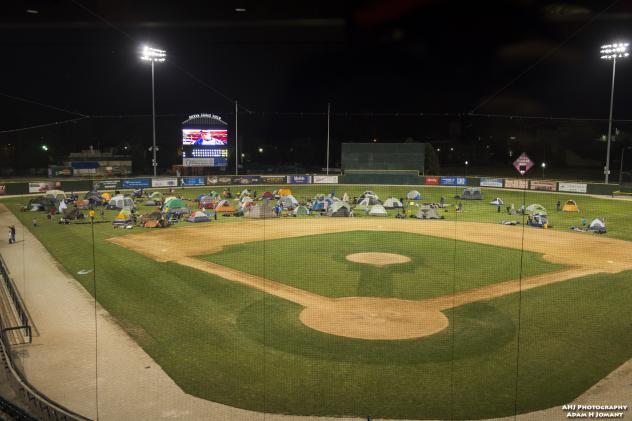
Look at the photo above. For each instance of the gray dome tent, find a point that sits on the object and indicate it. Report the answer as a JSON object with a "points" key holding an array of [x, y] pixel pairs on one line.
{"points": [[472, 193]]}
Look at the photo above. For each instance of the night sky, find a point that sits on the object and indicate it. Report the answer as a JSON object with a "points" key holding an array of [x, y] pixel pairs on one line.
{"points": [[390, 56]]}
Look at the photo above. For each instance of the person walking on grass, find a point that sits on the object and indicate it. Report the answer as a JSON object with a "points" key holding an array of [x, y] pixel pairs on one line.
{"points": [[12, 229], [34, 222], [10, 236]]}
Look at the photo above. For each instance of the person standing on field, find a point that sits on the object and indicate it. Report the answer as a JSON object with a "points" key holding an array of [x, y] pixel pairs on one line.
{"points": [[12, 229]]}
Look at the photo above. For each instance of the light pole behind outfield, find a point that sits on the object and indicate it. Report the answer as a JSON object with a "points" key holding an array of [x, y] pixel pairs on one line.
{"points": [[612, 52], [153, 55]]}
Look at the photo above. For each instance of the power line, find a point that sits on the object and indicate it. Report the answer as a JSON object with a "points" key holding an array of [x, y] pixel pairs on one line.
{"points": [[39, 126], [41, 104]]}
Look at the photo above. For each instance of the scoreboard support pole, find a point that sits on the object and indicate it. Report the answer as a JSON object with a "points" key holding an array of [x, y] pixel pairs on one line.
{"points": [[236, 140]]}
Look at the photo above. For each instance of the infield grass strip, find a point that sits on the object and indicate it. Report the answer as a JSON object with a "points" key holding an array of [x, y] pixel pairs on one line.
{"points": [[317, 264]]}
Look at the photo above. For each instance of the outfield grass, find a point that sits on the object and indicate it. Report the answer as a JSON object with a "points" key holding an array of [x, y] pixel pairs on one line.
{"points": [[438, 266], [232, 344]]}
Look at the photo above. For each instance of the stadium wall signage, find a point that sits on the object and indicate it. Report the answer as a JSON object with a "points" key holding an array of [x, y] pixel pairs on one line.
{"points": [[573, 187], [453, 181], [299, 179], [42, 186], [246, 179], [192, 181], [491, 182], [325, 179], [433, 181], [516, 183], [273, 179], [164, 182], [136, 183], [544, 185]]}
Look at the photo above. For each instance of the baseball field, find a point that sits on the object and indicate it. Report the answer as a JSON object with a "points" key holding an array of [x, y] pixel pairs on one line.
{"points": [[396, 318]]}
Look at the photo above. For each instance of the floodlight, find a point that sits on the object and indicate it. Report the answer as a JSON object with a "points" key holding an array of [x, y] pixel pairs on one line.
{"points": [[614, 51], [153, 54]]}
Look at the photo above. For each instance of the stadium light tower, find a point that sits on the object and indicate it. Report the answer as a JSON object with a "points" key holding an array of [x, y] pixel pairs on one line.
{"points": [[153, 55], [612, 52]]}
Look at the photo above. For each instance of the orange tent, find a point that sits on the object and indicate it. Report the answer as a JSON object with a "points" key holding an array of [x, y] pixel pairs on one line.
{"points": [[224, 206]]}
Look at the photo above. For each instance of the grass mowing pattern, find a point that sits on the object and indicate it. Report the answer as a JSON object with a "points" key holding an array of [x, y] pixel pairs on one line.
{"points": [[317, 264], [205, 333]]}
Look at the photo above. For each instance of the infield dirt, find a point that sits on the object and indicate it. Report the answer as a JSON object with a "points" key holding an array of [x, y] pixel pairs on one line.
{"points": [[375, 317]]}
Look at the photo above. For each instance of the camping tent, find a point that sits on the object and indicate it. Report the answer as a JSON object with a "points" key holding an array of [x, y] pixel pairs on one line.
{"points": [[368, 193], [288, 201], [538, 220], [472, 193], [55, 194], [392, 203], [267, 195], [300, 211], [570, 206], [40, 204], [285, 192], [71, 213], [535, 208], [369, 201], [153, 220], [597, 226], [120, 202], [94, 197], [318, 205], [224, 206], [339, 209], [198, 216], [123, 218], [413, 195], [155, 199], [244, 193], [259, 211], [427, 212], [497, 201], [206, 202], [378, 210]]}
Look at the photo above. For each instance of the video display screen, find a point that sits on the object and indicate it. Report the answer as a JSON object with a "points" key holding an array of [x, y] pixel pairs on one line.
{"points": [[202, 137], [205, 147]]}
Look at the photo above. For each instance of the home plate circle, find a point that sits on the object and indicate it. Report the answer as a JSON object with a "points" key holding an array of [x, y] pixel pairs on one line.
{"points": [[377, 259], [374, 318]]}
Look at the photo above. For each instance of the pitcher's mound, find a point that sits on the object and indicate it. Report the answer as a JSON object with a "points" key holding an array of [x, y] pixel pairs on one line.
{"points": [[374, 318], [378, 259]]}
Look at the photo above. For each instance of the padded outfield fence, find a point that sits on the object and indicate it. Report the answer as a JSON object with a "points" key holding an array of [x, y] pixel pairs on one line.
{"points": [[371, 177], [43, 407]]}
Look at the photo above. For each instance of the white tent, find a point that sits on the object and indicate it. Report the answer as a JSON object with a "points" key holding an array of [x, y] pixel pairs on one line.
{"points": [[55, 194], [368, 193], [378, 210], [368, 201], [598, 226], [497, 201], [413, 195], [120, 202], [288, 202], [392, 203]]}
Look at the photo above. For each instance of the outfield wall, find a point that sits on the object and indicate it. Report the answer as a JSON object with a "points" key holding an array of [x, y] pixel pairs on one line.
{"points": [[70, 185]]}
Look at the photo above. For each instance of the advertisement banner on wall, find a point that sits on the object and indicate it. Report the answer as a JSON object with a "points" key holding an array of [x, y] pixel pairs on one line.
{"points": [[273, 179], [245, 179], [192, 181], [543, 185], [325, 179], [299, 179], [453, 181], [572, 187], [491, 182], [164, 182], [516, 183], [42, 186], [214, 180], [107, 184], [136, 183], [432, 181]]}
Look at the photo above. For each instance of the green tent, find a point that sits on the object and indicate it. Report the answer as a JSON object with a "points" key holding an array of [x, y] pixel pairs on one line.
{"points": [[174, 204], [157, 196], [535, 208], [339, 209]]}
